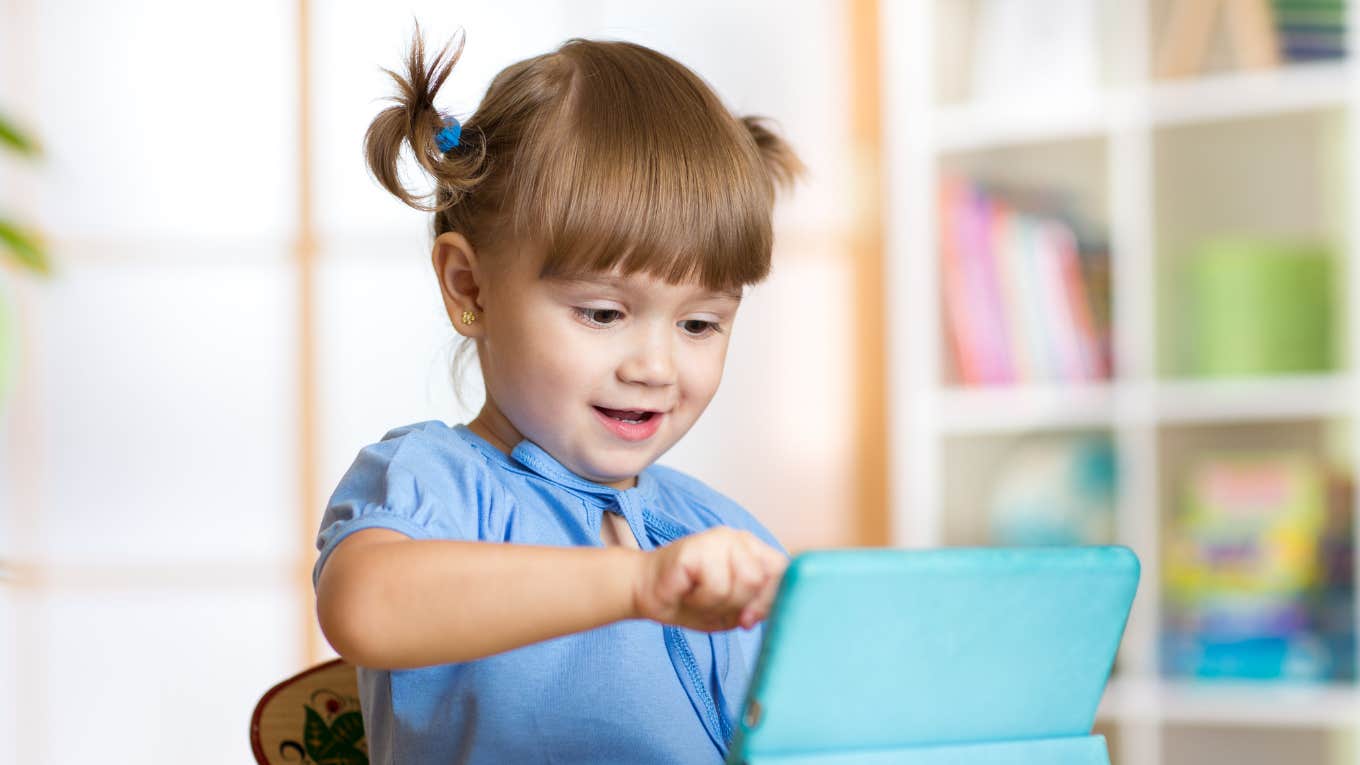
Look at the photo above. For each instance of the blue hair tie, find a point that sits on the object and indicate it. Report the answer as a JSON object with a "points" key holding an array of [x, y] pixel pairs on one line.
{"points": [[448, 137]]}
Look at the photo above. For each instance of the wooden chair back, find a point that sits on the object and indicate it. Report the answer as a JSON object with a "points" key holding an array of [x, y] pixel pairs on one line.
{"points": [[312, 717]]}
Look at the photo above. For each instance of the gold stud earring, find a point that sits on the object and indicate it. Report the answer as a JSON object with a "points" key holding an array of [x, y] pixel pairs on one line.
{"points": [[469, 317]]}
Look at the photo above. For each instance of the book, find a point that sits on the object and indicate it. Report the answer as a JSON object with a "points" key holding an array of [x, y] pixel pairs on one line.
{"points": [[1244, 571], [1026, 339], [958, 324], [993, 336], [1085, 341], [1017, 302]]}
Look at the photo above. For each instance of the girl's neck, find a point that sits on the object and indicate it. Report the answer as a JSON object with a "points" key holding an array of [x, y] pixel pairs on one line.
{"points": [[501, 435], [491, 425]]}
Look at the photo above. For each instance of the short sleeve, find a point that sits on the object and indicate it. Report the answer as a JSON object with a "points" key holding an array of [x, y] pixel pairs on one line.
{"points": [[418, 481]]}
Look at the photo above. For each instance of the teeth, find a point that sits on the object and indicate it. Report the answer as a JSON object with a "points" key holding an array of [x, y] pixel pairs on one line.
{"points": [[630, 416], [633, 417]]}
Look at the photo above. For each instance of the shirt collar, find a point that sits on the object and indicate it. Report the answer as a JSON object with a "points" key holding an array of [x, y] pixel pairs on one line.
{"points": [[527, 454]]}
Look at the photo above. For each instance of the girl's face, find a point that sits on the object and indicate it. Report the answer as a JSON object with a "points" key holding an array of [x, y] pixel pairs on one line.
{"points": [[558, 355]]}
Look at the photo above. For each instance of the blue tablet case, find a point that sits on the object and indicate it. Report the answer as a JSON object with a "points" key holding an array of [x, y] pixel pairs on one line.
{"points": [[923, 657]]}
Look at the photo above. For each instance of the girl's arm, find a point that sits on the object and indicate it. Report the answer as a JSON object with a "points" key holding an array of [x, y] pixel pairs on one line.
{"points": [[387, 601]]}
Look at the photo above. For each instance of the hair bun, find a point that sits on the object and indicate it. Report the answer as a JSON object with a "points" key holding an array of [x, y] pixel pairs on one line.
{"points": [[414, 121]]}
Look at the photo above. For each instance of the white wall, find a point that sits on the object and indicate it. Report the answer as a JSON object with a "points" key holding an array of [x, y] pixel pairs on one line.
{"points": [[149, 465]]}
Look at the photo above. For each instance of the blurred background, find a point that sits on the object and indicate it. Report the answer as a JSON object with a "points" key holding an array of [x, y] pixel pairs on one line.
{"points": [[1062, 272]]}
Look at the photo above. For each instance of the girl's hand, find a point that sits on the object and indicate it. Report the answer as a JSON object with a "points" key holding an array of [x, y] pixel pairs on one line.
{"points": [[715, 580]]}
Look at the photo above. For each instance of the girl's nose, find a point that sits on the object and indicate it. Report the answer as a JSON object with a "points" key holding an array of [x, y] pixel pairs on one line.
{"points": [[649, 361]]}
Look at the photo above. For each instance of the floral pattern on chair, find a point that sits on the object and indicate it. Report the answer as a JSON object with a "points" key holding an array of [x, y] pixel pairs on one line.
{"points": [[312, 718], [335, 737]]}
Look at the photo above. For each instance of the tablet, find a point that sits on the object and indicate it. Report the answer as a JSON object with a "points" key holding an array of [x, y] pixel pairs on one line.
{"points": [[879, 650]]}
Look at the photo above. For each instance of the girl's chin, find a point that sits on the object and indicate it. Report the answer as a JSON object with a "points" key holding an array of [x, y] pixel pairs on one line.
{"points": [[617, 471]]}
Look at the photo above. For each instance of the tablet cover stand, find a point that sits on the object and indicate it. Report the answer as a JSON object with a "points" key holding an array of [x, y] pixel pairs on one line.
{"points": [[965, 656]]}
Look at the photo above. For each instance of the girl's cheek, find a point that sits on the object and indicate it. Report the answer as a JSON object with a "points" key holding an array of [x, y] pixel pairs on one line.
{"points": [[701, 375], [559, 357]]}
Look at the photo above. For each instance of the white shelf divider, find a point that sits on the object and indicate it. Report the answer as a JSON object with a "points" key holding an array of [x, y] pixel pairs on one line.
{"points": [[972, 127], [1264, 704], [1025, 408], [1000, 410], [1244, 95], [913, 319], [1133, 321], [1210, 98], [1253, 400]]}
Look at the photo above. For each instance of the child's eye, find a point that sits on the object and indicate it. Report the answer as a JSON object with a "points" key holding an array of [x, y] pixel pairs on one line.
{"points": [[599, 317], [700, 328]]}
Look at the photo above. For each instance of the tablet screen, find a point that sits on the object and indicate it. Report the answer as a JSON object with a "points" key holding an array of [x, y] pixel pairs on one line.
{"points": [[892, 648]]}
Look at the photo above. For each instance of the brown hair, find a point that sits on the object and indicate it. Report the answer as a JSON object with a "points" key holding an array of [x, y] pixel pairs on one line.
{"points": [[601, 154], [606, 154]]}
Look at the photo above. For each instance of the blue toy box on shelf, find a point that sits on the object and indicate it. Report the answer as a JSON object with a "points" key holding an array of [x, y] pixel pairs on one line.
{"points": [[966, 656]]}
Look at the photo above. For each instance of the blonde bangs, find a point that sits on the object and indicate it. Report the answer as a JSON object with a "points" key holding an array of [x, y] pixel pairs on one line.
{"points": [[640, 168]]}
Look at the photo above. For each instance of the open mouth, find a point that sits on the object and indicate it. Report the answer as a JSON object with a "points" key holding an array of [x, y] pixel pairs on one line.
{"points": [[633, 416]]}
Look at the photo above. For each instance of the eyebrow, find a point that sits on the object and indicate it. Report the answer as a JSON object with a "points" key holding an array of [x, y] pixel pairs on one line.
{"points": [[621, 282]]}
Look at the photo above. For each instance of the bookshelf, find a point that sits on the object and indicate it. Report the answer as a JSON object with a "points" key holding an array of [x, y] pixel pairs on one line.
{"points": [[1144, 157]]}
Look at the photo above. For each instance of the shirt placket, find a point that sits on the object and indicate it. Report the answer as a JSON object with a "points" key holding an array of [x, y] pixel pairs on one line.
{"points": [[646, 527], [628, 507], [709, 709]]}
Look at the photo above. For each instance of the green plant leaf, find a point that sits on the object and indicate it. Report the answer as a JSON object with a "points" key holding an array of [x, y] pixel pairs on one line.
{"points": [[11, 136], [23, 247]]}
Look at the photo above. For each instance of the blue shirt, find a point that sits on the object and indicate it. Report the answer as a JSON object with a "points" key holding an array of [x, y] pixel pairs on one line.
{"points": [[628, 692]]}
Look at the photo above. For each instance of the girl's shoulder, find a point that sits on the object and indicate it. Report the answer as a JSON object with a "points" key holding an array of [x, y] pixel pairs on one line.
{"points": [[430, 444], [432, 458], [685, 495]]}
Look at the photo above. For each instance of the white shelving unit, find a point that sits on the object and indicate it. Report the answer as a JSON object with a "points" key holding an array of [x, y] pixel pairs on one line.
{"points": [[1140, 407]]}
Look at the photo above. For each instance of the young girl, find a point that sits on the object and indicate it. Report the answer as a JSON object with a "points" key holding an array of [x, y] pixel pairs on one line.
{"points": [[595, 222]]}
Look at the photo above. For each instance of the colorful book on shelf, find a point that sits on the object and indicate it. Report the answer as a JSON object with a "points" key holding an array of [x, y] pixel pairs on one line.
{"points": [[973, 311], [1017, 305], [1026, 339], [1312, 13], [958, 322], [1039, 297], [1310, 30], [1024, 313], [1085, 341], [960, 280], [1261, 33], [1095, 276], [1244, 571], [1058, 245], [993, 336], [1334, 603]]}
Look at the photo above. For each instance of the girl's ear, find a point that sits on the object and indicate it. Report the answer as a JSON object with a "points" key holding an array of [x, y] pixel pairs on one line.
{"points": [[460, 281]]}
